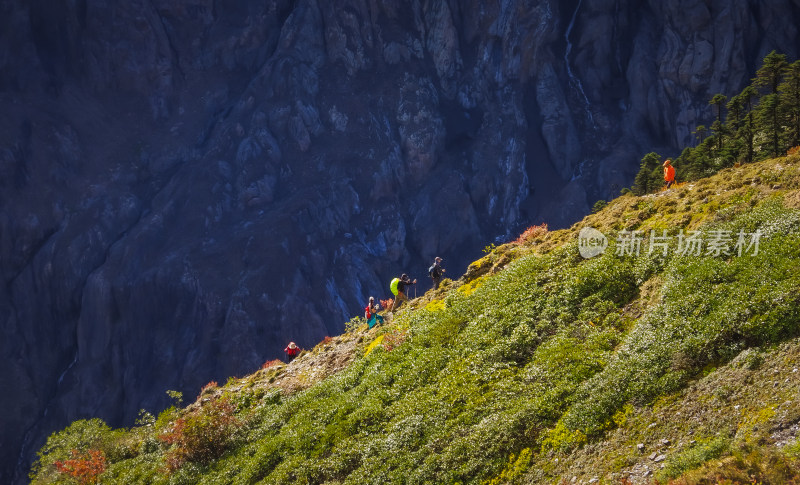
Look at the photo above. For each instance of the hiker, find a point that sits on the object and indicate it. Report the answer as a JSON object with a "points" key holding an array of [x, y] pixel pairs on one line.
{"points": [[669, 173], [292, 350], [402, 283], [371, 313], [435, 272]]}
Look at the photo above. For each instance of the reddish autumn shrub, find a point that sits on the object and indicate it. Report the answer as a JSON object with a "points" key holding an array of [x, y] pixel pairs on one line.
{"points": [[202, 436], [793, 150], [86, 468], [531, 233], [211, 385], [387, 304], [394, 339], [271, 363]]}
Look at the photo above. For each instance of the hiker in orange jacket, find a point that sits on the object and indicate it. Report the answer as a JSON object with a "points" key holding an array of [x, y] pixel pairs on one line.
{"points": [[669, 173]]}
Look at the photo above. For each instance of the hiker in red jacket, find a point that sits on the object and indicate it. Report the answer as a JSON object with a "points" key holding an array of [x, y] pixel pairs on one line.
{"points": [[292, 350], [371, 313]]}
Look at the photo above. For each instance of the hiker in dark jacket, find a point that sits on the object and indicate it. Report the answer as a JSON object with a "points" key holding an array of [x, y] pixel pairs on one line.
{"points": [[404, 282], [435, 272]]}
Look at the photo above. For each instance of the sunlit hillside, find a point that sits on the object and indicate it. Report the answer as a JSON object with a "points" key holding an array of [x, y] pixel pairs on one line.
{"points": [[655, 340]]}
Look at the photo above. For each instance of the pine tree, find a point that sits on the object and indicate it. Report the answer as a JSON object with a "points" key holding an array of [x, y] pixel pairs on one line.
{"points": [[718, 127], [768, 122], [690, 168], [771, 71], [701, 154], [700, 133], [735, 107], [769, 76], [734, 125], [789, 91], [648, 178], [748, 94]]}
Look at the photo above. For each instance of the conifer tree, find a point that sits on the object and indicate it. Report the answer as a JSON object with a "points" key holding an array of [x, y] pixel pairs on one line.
{"points": [[735, 107], [700, 133], [649, 176], [768, 122], [748, 94], [789, 91], [718, 128], [769, 77], [771, 71], [734, 127]]}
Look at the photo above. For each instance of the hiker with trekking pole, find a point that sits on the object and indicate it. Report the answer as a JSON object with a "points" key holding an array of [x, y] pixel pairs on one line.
{"points": [[398, 287]]}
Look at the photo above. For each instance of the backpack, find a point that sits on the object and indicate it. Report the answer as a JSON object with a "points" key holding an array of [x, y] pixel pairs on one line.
{"points": [[433, 271], [393, 286], [367, 312]]}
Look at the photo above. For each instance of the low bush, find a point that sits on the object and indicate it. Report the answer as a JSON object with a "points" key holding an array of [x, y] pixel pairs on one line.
{"points": [[751, 465], [208, 388], [531, 233], [67, 451], [354, 323], [693, 457], [201, 436], [271, 363]]}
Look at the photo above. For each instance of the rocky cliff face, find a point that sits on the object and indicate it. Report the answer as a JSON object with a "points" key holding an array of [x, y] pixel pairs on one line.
{"points": [[186, 185]]}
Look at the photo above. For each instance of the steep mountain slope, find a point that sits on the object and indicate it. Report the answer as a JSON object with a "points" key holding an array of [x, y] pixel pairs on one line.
{"points": [[671, 355], [188, 184]]}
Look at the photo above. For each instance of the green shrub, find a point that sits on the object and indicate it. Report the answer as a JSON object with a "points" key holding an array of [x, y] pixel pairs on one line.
{"points": [[354, 323], [599, 205], [79, 437], [692, 458]]}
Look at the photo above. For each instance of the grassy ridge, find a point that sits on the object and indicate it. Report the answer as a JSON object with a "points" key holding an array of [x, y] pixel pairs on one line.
{"points": [[524, 370]]}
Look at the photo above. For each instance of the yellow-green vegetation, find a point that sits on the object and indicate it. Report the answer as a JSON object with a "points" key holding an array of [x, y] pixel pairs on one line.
{"points": [[435, 305], [374, 344], [537, 366], [469, 288]]}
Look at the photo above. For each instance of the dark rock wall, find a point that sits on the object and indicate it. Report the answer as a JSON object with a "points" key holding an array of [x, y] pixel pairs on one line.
{"points": [[185, 186]]}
